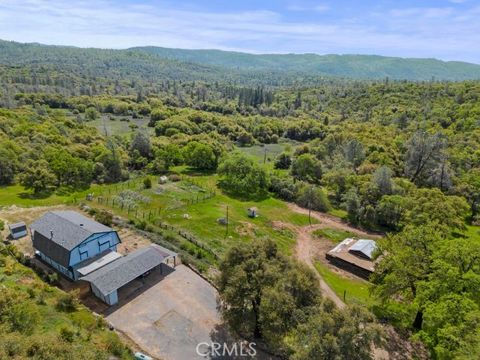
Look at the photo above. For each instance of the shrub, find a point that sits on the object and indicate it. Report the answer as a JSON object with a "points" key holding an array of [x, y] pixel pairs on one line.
{"points": [[314, 198], [147, 183], [104, 217], [52, 278], [23, 317], [174, 177], [141, 225], [67, 334], [68, 302]]}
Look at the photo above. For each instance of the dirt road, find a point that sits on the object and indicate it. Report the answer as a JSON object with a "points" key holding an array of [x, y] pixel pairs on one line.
{"points": [[308, 248], [305, 252]]}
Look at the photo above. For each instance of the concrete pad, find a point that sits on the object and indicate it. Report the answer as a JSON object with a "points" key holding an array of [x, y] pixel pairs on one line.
{"points": [[171, 316]]}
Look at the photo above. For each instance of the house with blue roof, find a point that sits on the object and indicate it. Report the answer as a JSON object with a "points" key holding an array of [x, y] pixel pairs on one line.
{"points": [[69, 241]]}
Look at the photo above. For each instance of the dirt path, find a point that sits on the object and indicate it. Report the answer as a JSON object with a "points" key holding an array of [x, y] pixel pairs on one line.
{"points": [[305, 251], [308, 249], [329, 221]]}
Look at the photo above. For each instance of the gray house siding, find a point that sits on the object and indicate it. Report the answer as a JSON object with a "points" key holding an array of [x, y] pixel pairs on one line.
{"points": [[56, 265]]}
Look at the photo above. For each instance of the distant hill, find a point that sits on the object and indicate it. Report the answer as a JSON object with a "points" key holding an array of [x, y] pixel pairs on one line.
{"points": [[155, 63], [350, 66]]}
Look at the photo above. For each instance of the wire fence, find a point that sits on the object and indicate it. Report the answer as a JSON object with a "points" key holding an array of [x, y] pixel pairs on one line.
{"points": [[153, 215]]}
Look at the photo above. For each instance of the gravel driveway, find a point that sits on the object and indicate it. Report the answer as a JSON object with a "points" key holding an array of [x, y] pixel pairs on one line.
{"points": [[171, 316]]}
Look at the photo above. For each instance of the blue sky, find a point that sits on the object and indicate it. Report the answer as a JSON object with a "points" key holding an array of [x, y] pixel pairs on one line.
{"points": [[443, 29]]}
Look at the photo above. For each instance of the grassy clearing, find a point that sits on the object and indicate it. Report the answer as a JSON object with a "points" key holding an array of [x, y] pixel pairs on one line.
{"points": [[342, 214], [118, 126], [357, 291], [266, 154], [333, 234], [188, 205], [17, 195]]}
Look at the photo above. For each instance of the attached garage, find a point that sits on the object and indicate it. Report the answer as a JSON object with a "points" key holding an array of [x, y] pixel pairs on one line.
{"points": [[106, 281]]}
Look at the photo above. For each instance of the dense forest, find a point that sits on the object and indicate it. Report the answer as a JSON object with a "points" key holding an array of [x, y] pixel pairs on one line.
{"points": [[399, 157], [348, 66], [153, 63]]}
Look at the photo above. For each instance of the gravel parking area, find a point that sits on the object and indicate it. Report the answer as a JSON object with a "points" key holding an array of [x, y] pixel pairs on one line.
{"points": [[171, 316]]}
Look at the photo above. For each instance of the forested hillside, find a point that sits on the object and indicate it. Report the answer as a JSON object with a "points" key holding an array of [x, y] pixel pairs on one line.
{"points": [[150, 63], [349, 66]]}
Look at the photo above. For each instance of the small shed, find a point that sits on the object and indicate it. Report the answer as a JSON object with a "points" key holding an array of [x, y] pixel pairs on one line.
{"points": [[252, 212], [18, 230]]}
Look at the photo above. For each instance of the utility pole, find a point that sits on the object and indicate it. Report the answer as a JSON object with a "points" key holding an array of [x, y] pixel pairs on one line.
{"points": [[310, 205], [309, 214], [226, 233]]}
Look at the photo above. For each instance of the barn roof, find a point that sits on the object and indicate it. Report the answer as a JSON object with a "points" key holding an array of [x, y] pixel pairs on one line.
{"points": [[120, 272], [365, 247], [67, 228], [57, 233]]}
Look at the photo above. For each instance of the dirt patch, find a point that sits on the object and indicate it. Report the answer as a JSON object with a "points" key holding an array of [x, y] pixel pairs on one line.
{"points": [[279, 225], [329, 221], [13, 214], [131, 241], [245, 229], [26, 281], [399, 347]]}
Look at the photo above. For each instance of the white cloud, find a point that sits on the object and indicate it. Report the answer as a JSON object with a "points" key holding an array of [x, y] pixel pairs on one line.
{"points": [[442, 32], [304, 8]]}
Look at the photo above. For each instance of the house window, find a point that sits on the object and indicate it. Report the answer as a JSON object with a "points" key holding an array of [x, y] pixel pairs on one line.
{"points": [[83, 254], [104, 244]]}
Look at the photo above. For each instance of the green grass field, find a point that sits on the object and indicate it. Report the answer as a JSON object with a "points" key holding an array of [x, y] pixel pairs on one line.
{"points": [[118, 126], [177, 205], [187, 205], [333, 234], [342, 214], [266, 154], [356, 291], [17, 195]]}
